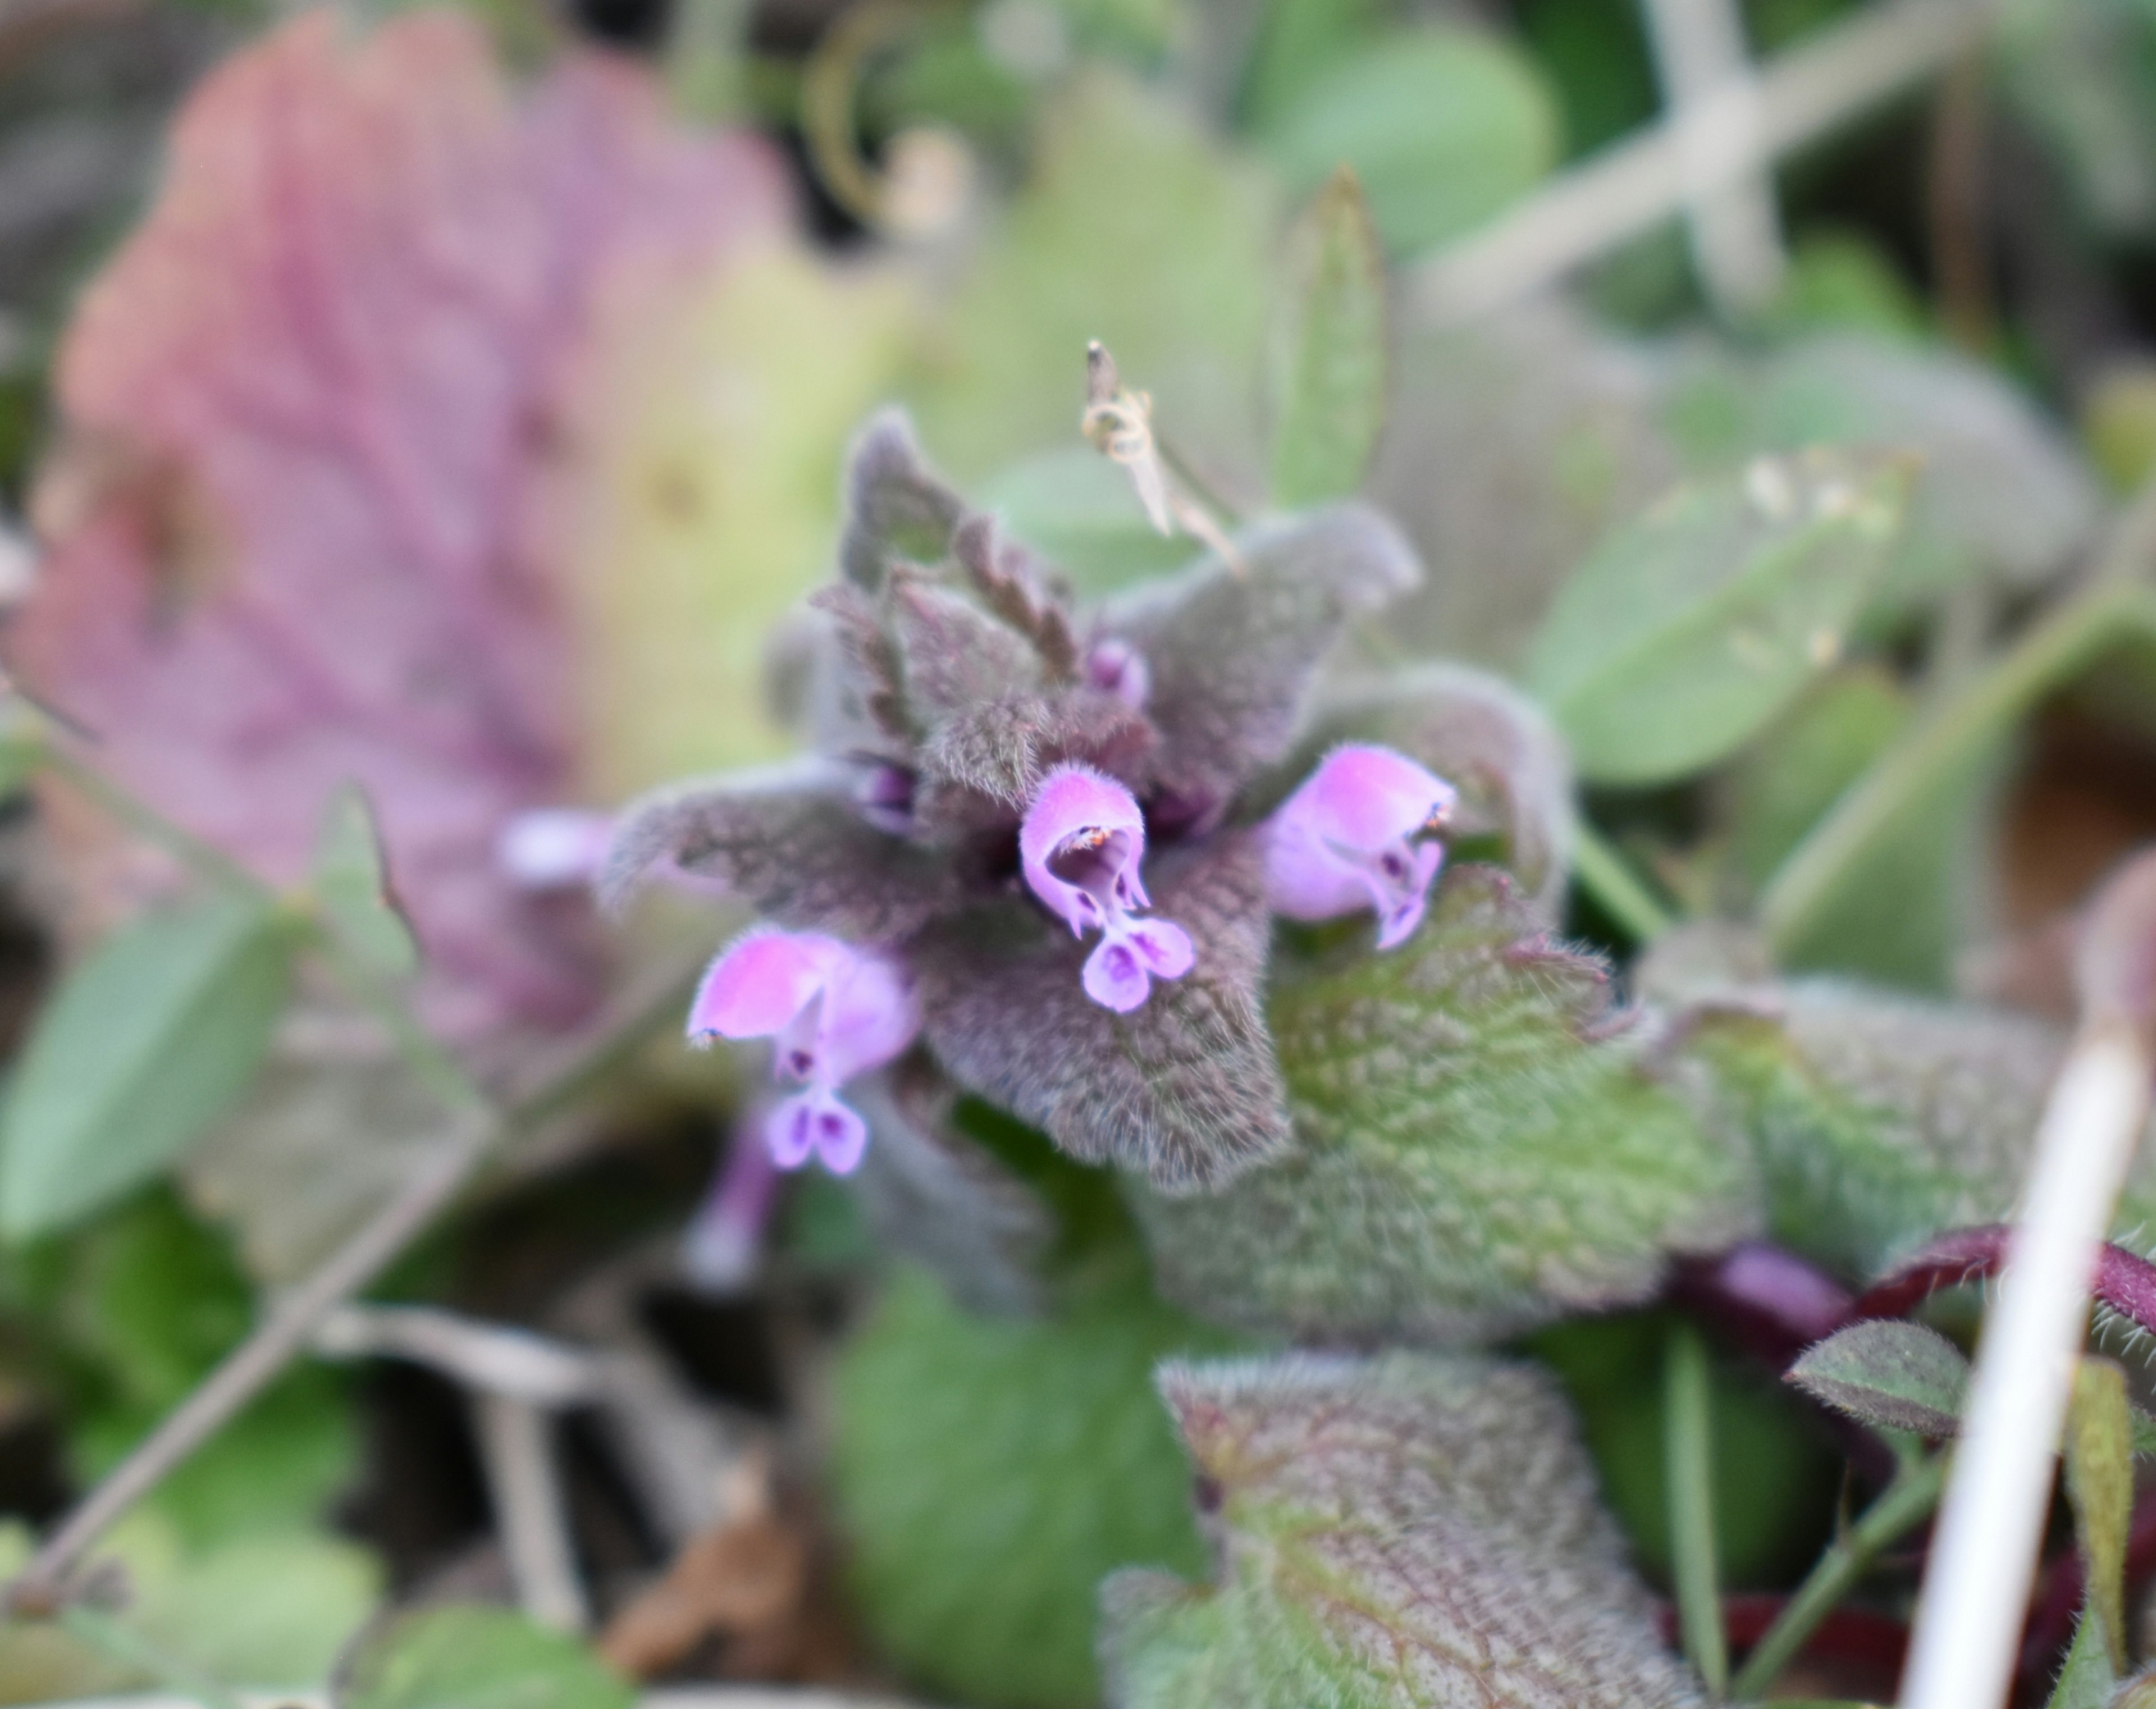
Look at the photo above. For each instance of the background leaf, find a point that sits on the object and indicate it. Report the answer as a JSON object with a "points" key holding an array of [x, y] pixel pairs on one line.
{"points": [[2099, 1461], [989, 1471], [1443, 124], [475, 1658], [1687, 630], [155, 1035], [1395, 1533], [1330, 405], [350, 881]]}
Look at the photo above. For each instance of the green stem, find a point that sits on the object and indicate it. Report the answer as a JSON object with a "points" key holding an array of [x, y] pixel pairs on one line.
{"points": [[1973, 712], [1901, 1508], [1688, 1448], [1604, 874], [126, 1646]]}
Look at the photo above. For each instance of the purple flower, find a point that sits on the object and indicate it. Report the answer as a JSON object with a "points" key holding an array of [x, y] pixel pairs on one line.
{"points": [[1080, 845], [726, 1236], [833, 1011], [1359, 833]]}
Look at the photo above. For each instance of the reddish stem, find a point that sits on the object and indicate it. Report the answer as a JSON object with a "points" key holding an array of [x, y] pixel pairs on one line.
{"points": [[2124, 1283]]}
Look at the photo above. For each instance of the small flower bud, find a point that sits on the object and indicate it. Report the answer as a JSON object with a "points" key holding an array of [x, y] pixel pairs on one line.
{"points": [[1359, 833], [1117, 668]]}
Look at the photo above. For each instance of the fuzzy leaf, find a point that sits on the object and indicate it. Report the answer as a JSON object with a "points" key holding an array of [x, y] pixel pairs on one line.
{"points": [[1331, 383], [1895, 1375], [1393, 1533], [940, 1199], [989, 1470], [898, 509], [350, 881], [1688, 629], [1469, 1160], [1014, 586], [2086, 1678], [1875, 1120], [2099, 1457], [797, 853], [152, 1038], [1183, 1090], [1000, 748], [1488, 740], [1233, 651], [452, 1656], [312, 458], [953, 655]]}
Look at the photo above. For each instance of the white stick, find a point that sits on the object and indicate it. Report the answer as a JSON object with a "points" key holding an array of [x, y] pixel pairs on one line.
{"points": [[1736, 227], [530, 1511], [1983, 1549], [1632, 186]]}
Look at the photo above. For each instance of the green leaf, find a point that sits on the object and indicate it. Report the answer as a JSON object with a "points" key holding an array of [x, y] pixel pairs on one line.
{"points": [[1877, 1119], [1444, 124], [1688, 629], [2086, 1678], [149, 1040], [1330, 384], [1469, 1159], [350, 881], [1396, 1533], [1894, 1375], [476, 1658], [2099, 1457], [989, 1470]]}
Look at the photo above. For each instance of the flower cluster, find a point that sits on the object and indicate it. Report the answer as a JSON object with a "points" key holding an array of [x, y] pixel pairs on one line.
{"points": [[1023, 844]]}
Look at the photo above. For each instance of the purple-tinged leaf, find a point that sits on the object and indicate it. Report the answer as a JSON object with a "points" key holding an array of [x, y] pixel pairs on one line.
{"points": [[898, 509], [1184, 1089], [1015, 586], [985, 764], [1233, 652], [953, 655], [1392, 1534], [300, 518], [795, 848], [870, 676], [1473, 1155], [1893, 1375], [931, 1194]]}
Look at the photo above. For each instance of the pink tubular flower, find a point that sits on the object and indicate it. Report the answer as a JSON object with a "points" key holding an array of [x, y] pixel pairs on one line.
{"points": [[1358, 835], [834, 1012], [1080, 845]]}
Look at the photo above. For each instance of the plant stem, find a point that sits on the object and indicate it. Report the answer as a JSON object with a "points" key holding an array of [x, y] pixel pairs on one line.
{"points": [[1984, 1557], [1688, 1449], [1620, 892], [434, 1067], [1975, 711], [123, 1644], [1901, 1506]]}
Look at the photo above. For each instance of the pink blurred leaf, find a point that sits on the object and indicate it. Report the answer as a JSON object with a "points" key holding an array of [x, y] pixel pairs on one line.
{"points": [[315, 416]]}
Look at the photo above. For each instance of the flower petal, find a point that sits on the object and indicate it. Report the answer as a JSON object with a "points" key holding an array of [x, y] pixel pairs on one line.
{"points": [[721, 1247], [842, 1137], [1077, 811], [870, 1015], [760, 984], [1363, 797], [789, 1131], [1164, 946], [1115, 975]]}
